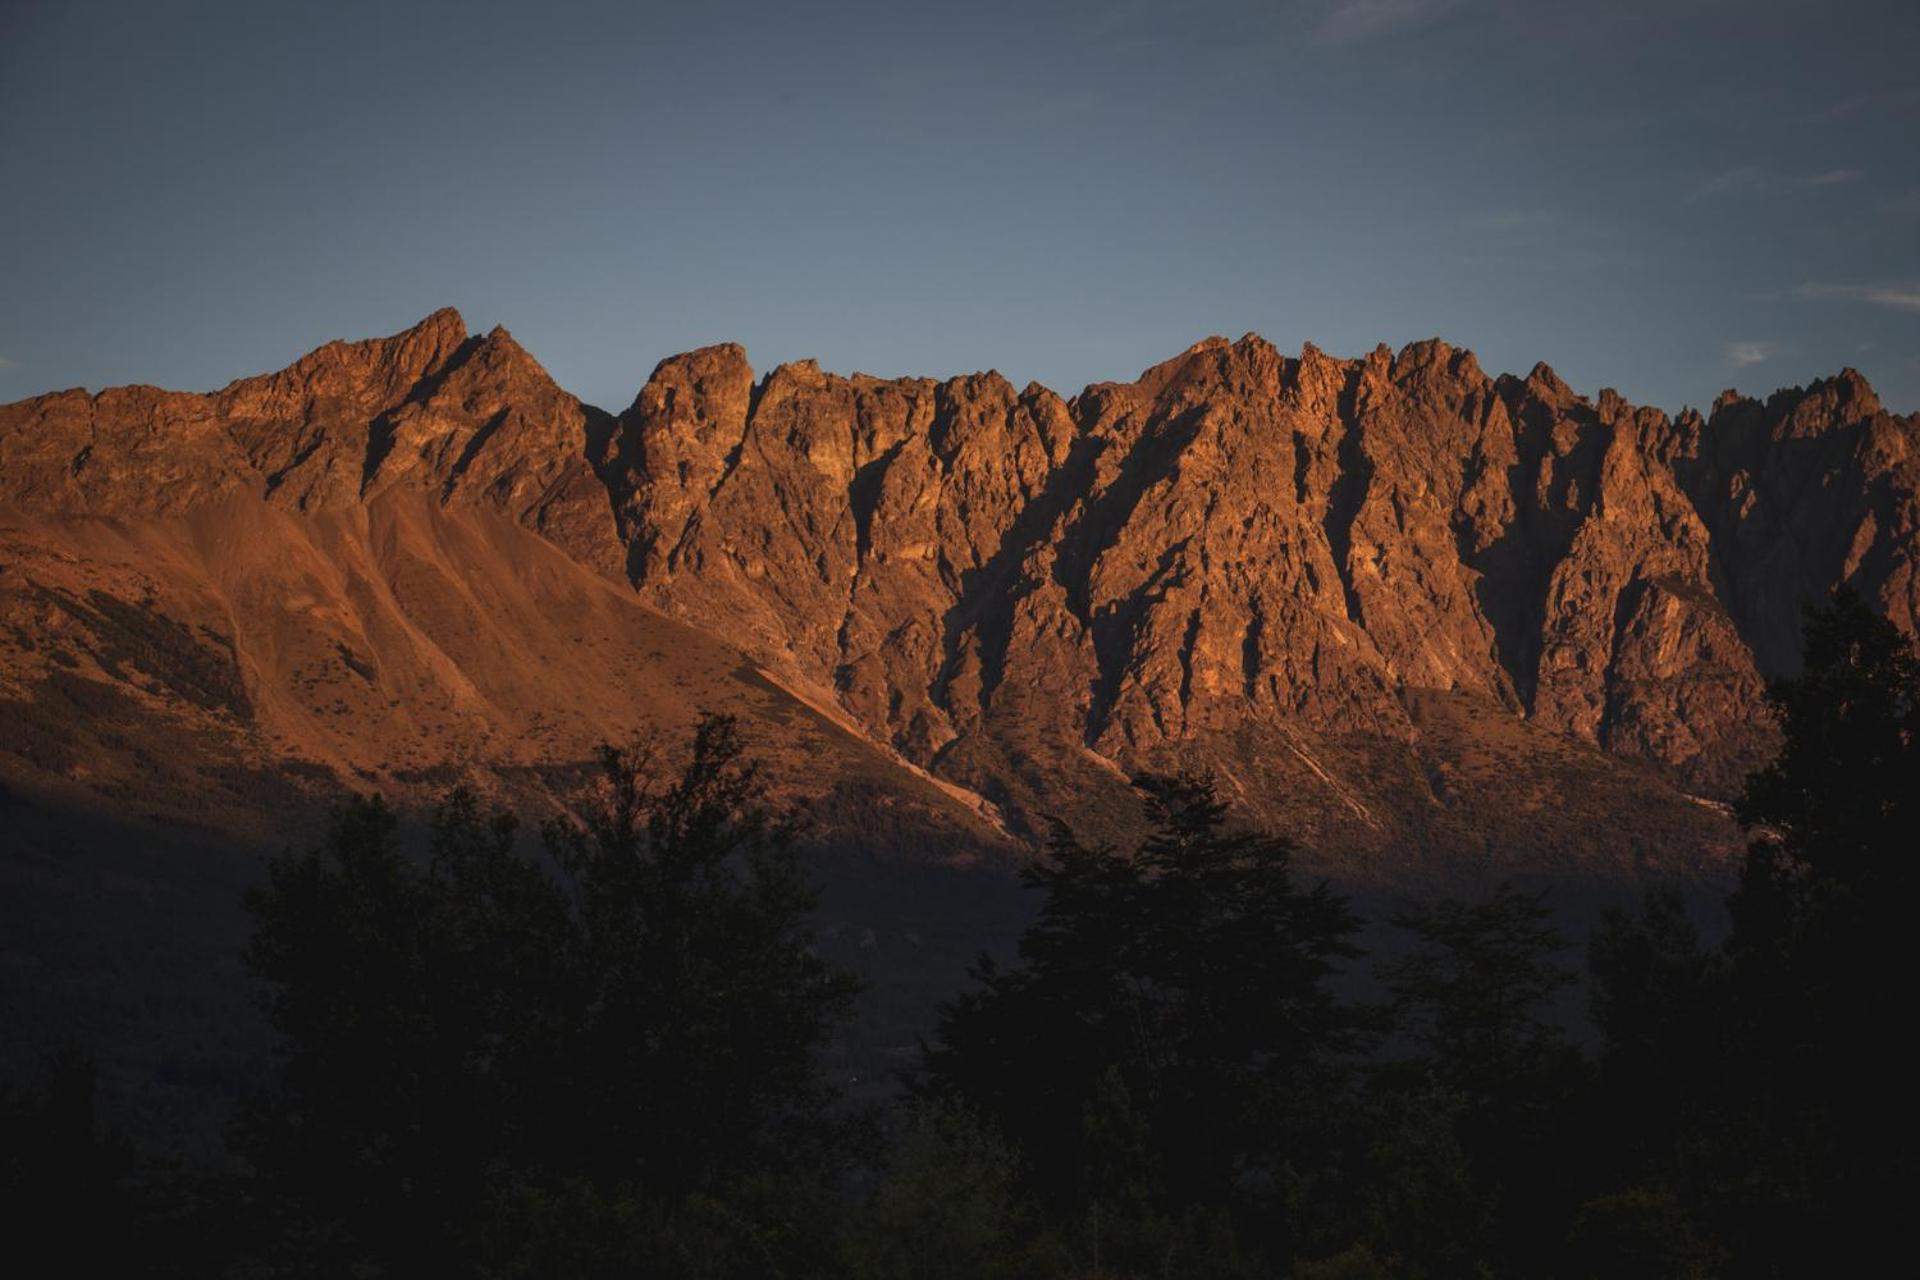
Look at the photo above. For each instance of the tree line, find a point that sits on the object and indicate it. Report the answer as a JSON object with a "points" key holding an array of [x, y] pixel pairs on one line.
{"points": [[599, 1056]]}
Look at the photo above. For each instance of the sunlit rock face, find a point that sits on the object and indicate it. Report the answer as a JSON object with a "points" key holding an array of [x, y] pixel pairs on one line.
{"points": [[1395, 602], [1242, 538]]}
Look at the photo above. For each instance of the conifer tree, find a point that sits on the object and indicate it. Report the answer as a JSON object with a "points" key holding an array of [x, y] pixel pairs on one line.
{"points": [[1160, 1042], [628, 1025]]}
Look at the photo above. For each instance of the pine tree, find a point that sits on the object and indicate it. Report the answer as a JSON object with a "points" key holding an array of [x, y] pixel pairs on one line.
{"points": [[1771, 1066], [1162, 1038], [628, 1023], [704, 1003], [1474, 999]]}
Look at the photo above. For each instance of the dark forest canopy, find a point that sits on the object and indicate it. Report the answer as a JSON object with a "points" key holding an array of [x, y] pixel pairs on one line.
{"points": [[599, 1054]]}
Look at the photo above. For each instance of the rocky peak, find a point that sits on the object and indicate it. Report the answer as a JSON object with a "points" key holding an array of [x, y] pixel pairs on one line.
{"points": [[1843, 400], [469, 417], [1237, 554], [1547, 384], [371, 371], [1231, 539]]}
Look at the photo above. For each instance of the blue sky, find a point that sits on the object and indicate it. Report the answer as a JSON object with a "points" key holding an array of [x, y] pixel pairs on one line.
{"points": [[1667, 198]]}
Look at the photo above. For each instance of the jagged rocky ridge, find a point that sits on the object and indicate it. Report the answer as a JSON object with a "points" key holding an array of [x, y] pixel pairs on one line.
{"points": [[1243, 539], [1394, 601]]}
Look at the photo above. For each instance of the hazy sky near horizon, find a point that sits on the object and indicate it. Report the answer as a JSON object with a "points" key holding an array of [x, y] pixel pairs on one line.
{"points": [[1668, 197]]}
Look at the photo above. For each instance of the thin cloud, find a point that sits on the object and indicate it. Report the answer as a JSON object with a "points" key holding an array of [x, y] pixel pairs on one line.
{"points": [[1749, 180], [1351, 22], [8, 364], [1864, 102], [1906, 206], [1843, 108], [1742, 355], [1898, 297], [1725, 182], [1510, 219]]}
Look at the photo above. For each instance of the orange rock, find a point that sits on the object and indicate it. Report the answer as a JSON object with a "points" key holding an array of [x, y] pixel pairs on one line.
{"points": [[1264, 565]]}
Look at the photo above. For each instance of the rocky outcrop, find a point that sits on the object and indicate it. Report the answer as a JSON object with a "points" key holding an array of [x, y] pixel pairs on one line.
{"points": [[1266, 564], [1240, 537], [1806, 489], [471, 418]]}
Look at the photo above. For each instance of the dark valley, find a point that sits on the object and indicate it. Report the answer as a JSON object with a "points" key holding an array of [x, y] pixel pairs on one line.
{"points": [[1455, 638]]}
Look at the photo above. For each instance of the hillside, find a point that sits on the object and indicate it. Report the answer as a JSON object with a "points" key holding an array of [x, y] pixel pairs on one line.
{"points": [[1429, 619]]}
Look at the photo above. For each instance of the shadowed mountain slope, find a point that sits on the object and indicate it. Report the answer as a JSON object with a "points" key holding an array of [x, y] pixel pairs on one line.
{"points": [[1422, 616], [1439, 626], [1277, 567]]}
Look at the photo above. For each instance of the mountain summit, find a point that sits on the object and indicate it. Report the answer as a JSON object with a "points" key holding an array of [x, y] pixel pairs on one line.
{"points": [[1402, 606]]}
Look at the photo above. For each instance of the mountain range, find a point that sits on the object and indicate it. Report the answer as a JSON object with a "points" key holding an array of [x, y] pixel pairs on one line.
{"points": [[1443, 628], [1427, 619]]}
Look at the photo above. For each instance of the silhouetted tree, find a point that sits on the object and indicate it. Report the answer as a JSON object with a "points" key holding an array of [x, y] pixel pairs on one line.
{"points": [[1822, 973], [1639, 1234], [704, 1004], [1474, 998], [1156, 1049], [64, 1202], [602, 1036], [948, 1206], [1772, 1064], [367, 1131], [1474, 991], [1420, 1208], [1658, 1001]]}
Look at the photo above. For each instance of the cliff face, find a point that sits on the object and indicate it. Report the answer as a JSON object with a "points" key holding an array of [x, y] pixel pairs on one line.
{"points": [[474, 419], [1240, 538], [391, 566], [1395, 601]]}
